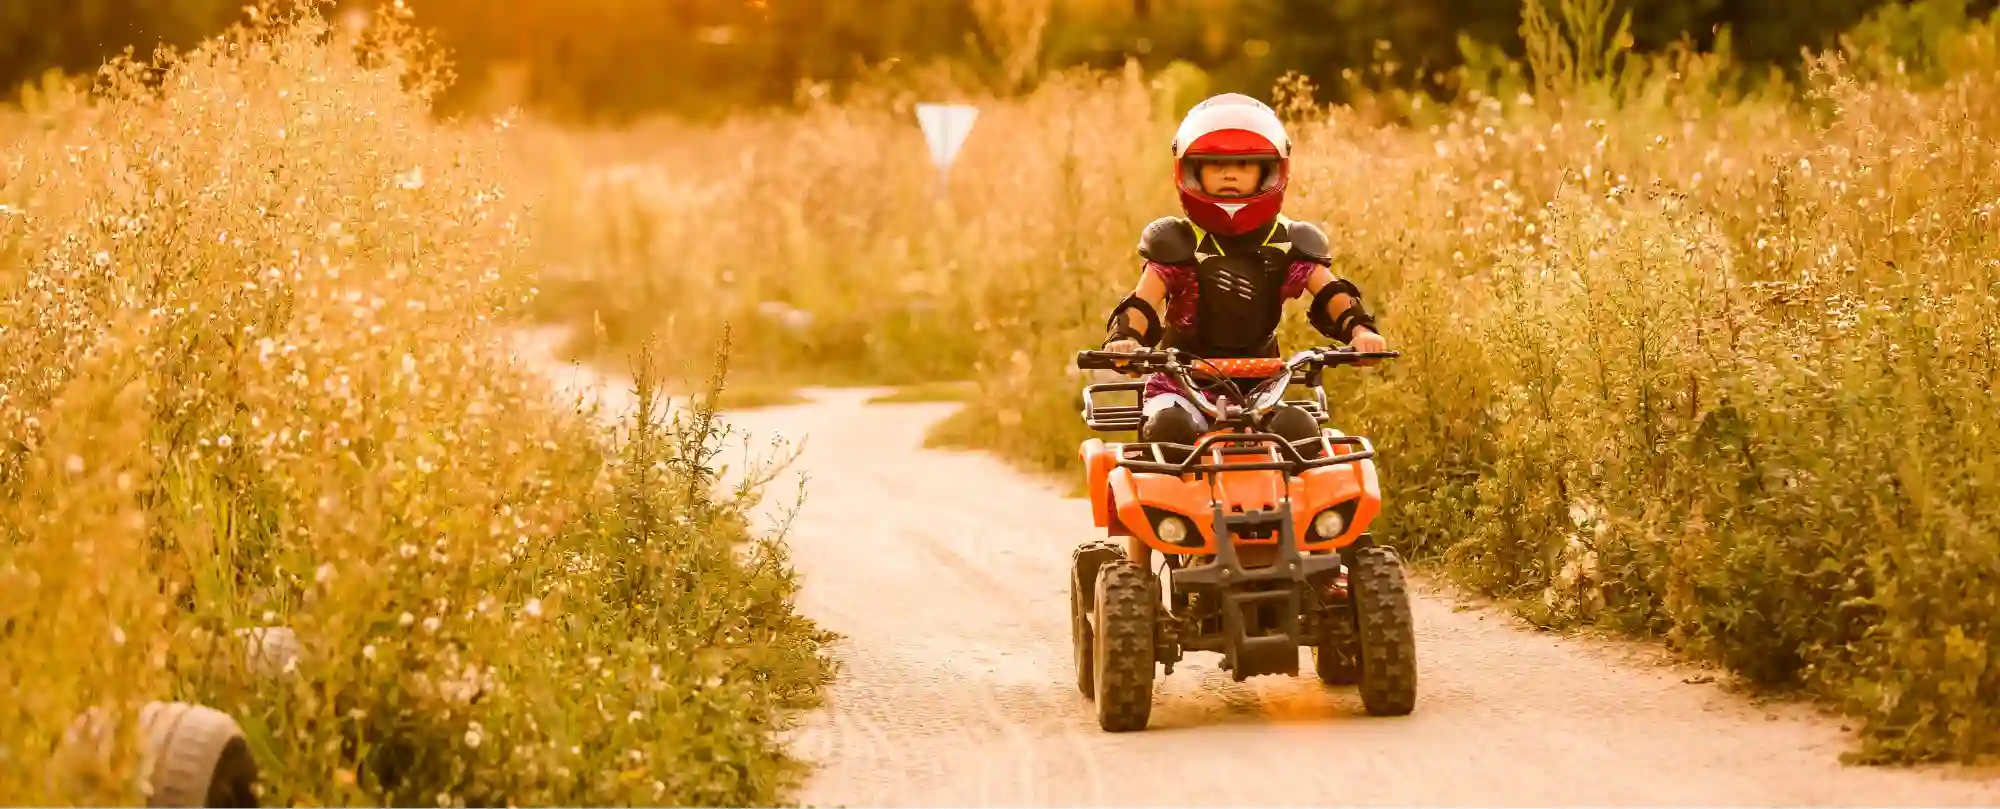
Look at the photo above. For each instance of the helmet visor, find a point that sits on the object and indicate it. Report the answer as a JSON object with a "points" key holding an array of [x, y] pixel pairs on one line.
{"points": [[1230, 176]]}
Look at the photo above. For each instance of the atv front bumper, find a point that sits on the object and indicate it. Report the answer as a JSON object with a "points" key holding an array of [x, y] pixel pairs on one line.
{"points": [[1244, 591], [1228, 568]]}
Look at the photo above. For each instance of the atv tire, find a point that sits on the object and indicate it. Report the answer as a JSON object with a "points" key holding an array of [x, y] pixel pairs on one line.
{"points": [[1337, 658], [1388, 635], [1083, 565], [1122, 655]]}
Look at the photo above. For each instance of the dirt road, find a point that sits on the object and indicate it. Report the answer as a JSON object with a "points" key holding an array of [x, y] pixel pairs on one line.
{"points": [[946, 572]]}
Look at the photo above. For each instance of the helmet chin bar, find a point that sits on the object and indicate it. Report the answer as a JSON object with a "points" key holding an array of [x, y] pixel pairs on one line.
{"points": [[1235, 215], [1232, 218]]}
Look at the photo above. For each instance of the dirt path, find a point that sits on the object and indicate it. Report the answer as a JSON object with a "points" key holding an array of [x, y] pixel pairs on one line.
{"points": [[946, 572]]}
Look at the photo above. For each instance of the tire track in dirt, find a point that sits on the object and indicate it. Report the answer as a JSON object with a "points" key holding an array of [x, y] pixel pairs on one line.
{"points": [[947, 573]]}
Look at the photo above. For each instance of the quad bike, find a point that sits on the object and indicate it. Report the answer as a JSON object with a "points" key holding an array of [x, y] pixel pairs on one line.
{"points": [[1265, 543]]}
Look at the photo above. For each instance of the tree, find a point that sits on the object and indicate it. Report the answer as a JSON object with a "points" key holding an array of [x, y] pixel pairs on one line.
{"points": [[78, 36]]}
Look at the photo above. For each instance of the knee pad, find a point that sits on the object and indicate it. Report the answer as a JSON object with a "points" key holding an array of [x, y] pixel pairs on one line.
{"points": [[1173, 425], [1294, 425]]}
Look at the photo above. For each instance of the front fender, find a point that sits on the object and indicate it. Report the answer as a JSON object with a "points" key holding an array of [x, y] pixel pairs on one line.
{"points": [[1097, 462], [1132, 494], [1329, 485]]}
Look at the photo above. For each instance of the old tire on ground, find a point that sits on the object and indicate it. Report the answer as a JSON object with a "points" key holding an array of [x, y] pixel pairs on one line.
{"points": [[1123, 655], [199, 757], [1337, 658], [1084, 562], [189, 755], [1388, 635], [270, 650]]}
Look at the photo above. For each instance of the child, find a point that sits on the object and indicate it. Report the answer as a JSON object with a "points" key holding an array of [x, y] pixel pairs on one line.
{"points": [[1223, 274]]}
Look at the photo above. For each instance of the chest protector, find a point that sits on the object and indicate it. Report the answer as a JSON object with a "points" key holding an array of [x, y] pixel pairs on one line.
{"points": [[1239, 298]]}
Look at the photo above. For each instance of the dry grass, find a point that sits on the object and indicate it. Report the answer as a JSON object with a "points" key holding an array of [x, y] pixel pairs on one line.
{"points": [[1697, 364], [251, 375]]}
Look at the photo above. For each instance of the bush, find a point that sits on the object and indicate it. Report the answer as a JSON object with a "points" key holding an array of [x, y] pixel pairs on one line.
{"points": [[251, 374]]}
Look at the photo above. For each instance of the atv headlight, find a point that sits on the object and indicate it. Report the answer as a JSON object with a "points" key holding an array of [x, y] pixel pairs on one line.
{"points": [[1329, 524], [1172, 530]]}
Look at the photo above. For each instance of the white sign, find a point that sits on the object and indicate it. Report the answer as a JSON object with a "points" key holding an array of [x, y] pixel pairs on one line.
{"points": [[945, 127]]}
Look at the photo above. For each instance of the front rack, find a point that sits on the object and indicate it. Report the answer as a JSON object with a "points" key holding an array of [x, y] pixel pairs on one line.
{"points": [[1129, 418], [1294, 459]]}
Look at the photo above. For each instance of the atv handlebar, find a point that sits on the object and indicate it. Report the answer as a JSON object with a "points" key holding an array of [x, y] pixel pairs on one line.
{"points": [[1111, 360], [1263, 396], [1166, 361]]}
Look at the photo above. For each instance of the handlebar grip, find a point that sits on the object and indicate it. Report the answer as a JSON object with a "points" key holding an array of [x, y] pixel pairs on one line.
{"points": [[1097, 360], [1138, 361], [1344, 355]]}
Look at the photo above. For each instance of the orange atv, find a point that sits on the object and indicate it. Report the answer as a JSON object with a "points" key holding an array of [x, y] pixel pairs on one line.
{"points": [[1260, 538]]}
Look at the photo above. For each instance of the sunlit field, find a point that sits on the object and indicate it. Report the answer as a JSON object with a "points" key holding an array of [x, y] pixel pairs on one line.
{"points": [[1698, 362], [1683, 359], [253, 374]]}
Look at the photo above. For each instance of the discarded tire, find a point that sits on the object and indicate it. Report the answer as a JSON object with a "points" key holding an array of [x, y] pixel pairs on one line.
{"points": [[193, 755], [271, 650], [199, 757]]}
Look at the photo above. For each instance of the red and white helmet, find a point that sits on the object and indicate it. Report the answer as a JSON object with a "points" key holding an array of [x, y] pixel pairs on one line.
{"points": [[1232, 126]]}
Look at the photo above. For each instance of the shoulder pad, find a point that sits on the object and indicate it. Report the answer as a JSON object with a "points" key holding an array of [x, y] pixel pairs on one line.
{"points": [[1168, 240], [1309, 242]]}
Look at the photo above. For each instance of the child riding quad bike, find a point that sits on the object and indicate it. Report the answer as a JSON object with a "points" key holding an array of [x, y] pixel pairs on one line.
{"points": [[1265, 543], [1260, 513]]}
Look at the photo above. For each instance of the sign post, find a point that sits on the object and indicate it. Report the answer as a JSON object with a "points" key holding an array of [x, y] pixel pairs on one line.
{"points": [[945, 128]]}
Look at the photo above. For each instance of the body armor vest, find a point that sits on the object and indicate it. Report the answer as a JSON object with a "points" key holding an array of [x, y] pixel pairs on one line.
{"points": [[1239, 297]]}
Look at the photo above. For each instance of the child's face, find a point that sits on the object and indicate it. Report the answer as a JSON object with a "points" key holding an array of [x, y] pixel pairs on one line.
{"points": [[1230, 178]]}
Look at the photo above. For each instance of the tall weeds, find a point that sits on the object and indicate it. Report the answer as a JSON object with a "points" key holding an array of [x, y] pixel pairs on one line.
{"points": [[1687, 354], [251, 375]]}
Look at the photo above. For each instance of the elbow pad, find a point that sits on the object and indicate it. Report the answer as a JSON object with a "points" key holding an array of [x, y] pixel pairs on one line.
{"points": [[1116, 327], [1339, 328]]}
